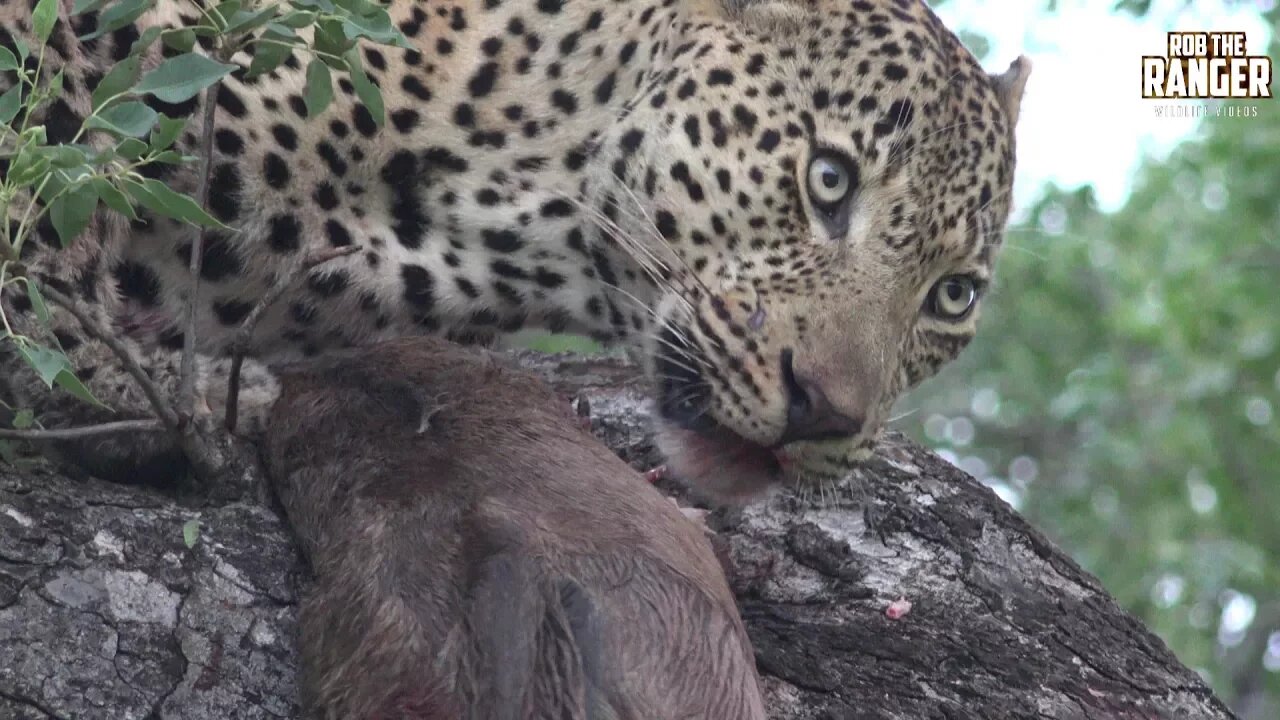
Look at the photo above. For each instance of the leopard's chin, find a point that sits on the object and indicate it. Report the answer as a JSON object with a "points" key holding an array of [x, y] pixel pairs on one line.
{"points": [[722, 464], [729, 469]]}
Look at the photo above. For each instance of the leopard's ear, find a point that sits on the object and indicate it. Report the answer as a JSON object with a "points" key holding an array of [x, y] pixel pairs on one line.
{"points": [[770, 17], [1010, 86]]}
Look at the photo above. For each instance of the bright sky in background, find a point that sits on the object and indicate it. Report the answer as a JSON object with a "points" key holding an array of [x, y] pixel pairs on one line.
{"points": [[1083, 118]]}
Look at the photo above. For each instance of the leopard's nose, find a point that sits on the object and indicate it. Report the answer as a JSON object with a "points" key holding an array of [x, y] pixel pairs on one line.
{"points": [[810, 415]]}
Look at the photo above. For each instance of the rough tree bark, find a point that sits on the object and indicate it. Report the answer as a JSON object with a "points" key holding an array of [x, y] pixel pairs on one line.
{"points": [[106, 613]]}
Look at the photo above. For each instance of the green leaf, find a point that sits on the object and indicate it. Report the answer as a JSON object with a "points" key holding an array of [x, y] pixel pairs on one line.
{"points": [[66, 157], [38, 304], [10, 104], [205, 30], [113, 198], [191, 533], [170, 157], [55, 85], [120, 78], [7, 60], [365, 89], [72, 210], [148, 39], [356, 7], [84, 6], [24, 419], [43, 19], [61, 179], [47, 362], [167, 131], [21, 46], [35, 135], [155, 196], [319, 89], [131, 148], [298, 19], [180, 78], [68, 381], [247, 21], [130, 119], [376, 27], [322, 5], [119, 15], [330, 39], [182, 39], [268, 56], [223, 11], [29, 166]]}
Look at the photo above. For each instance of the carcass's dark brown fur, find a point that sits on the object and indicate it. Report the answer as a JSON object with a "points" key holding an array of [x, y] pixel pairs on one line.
{"points": [[478, 555]]}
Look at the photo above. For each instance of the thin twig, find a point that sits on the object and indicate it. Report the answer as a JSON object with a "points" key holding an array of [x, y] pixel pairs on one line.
{"points": [[127, 357], [187, 395], [240, 344], [77, 433]]}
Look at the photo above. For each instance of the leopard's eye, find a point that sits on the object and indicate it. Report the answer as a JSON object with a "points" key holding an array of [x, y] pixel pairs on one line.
{"points": [[831, 180], [952, 297]]}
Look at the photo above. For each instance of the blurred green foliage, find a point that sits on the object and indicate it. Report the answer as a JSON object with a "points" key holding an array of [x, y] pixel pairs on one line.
{"points": [[1124, 393]]}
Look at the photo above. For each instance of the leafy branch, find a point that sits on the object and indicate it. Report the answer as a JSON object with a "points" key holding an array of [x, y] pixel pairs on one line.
{"points": [[103, 167]]}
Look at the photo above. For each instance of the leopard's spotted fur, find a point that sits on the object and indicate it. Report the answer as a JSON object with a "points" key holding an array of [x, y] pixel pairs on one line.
{"points": [[642, 171]]}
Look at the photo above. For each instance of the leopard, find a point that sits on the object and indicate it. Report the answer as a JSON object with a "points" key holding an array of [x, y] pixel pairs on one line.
{"points": [[789, 210]]}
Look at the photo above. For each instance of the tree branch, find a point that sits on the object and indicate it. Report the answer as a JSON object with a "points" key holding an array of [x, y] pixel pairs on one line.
{"points": [[1001, 624], [187, 394], [79, 433]]}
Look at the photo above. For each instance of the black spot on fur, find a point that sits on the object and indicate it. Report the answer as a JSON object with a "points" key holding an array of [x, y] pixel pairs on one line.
{"points": [[666, 224], [419, 286], [557, 208], [411, 220], [719, 76], [566, 101], [412, 85], [328, 284], [363, 120], [61, 123], [481, 84], [502, 240], [548, 279], [285, 235], [219, 260], [224, 192], [285, 136], [332, 159], [275, 171], [325, 196], [405, 120], [604, 90], [439, 157], [231, 312], [137, 282], [337, 233], [228, 142], [231, 102]]}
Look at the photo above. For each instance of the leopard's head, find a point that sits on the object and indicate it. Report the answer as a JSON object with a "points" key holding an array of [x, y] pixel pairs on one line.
{"points": [[826, 186]]}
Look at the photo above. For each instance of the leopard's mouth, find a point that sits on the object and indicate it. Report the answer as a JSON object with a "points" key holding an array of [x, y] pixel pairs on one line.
{"points": [[700, 450]]}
